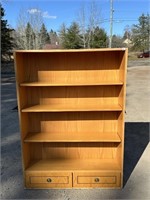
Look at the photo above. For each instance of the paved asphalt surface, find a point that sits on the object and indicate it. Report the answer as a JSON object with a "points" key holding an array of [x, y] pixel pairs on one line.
{"points": [[137, 147]]}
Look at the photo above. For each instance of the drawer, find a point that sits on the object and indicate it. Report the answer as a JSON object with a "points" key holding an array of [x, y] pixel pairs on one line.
{"points": [[96, 179], [49, 180]]}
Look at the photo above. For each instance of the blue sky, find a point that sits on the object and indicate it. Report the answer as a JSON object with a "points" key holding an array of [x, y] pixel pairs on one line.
{"points": [[126, 12]]}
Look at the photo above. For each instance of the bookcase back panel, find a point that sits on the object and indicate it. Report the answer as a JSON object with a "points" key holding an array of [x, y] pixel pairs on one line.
{"points": [[75, 77], [72, 67], [79, 150], [87, 95], [75, 122]]}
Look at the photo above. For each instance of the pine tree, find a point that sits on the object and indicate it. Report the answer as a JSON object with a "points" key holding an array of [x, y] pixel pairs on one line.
{"points": [[99, 38], [73, 38], [140, 33], [44, 36], [6, 39]]}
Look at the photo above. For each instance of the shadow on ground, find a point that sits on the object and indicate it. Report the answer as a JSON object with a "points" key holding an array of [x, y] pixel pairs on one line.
{"points": [[136, 140]]}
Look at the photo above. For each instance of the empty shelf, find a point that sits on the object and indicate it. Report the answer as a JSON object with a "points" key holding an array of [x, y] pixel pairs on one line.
{"points": [[73, 137], [72, 108], [35, 84]]}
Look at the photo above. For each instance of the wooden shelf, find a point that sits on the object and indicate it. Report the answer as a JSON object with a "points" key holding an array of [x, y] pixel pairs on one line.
{"points": [[74, 164], [72, 108], [72, 137], [43, 84]]}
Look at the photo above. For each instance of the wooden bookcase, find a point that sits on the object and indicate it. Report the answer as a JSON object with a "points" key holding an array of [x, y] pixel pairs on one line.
{"points": [[71, 109]]}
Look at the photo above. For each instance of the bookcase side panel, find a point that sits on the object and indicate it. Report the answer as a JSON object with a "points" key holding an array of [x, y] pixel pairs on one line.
{"points": [[23, 118], [121, 121]]}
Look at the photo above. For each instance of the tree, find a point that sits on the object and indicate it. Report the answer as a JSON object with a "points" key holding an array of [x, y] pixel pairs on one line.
{"points": [[73, 39], [30, 36], [63, 35], [127, 33], [140, 33], [35, 19], [99, 38], [6, 38], [44, 36], [88, 20], [83, 27], [70, 38], [93, 22], [117, 41], [53, 37]]}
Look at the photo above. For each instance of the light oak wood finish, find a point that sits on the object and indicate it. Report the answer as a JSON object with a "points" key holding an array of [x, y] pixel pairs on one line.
{"points": [[72, 151], [72, 68], [73, 137], [48, 179], [69, 123], [70, 165], [96, 179], [72, 98], [71, 107], [45, 84]]}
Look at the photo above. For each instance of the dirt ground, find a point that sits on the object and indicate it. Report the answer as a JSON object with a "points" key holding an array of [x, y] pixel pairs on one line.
{"points": [[137, 147]]}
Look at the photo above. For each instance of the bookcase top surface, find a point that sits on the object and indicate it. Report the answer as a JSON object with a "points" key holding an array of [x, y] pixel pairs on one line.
{"points": [[70, 50]]}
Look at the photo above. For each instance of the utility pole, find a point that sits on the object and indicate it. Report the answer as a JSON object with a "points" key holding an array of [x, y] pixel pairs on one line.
{"points": [[111, 22]]}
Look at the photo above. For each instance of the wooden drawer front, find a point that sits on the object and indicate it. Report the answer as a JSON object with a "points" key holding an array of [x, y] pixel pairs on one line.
{"points": [[96, 179], [49, 180]]}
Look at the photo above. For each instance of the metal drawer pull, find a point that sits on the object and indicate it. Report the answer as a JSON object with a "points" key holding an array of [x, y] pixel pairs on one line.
{"points": [[96, 180], [49, 180]]}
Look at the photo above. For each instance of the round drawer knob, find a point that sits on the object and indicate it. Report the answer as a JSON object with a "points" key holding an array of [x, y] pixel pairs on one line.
{"points": [[49, 180], [96, 180]]}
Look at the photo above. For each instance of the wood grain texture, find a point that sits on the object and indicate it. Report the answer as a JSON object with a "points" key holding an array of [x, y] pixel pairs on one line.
{"points": [[70, 165], [77, 97], [87, 150], [96, 179], [23, 120], [72, 108], [73, 122], [121, 124], [73, 137], [45, 84], [72, 68], [49, 179]]}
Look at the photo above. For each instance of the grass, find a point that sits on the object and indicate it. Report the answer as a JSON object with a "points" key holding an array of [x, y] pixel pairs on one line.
{"points": [[133, 56]]}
